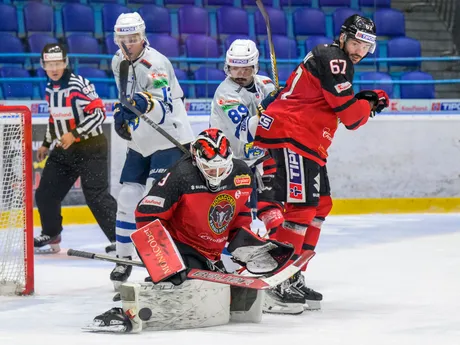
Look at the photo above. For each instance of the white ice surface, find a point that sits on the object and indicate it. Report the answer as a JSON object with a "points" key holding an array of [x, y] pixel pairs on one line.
{"points": [[386, 279]]}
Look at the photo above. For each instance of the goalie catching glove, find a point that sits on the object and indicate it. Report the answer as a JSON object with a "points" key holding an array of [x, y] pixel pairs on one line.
{"points": [[379, 98], [258, 255]]}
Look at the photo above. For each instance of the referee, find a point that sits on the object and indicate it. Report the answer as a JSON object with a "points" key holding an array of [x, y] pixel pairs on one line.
{"points": [[75, 123]]}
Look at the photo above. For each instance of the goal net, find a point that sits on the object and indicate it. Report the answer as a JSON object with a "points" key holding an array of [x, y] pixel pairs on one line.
{"points": [[16, 203]]}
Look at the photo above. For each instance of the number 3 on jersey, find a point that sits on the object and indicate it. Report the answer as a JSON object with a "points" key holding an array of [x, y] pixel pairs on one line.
{"points": [[237, 114]]}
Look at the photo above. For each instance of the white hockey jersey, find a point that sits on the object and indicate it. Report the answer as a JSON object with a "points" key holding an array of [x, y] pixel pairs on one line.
{"points": [[155, 74], [234, 111]]}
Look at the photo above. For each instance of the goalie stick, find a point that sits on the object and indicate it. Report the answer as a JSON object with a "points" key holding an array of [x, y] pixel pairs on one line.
{"points": [[124, 69], [262, 9], [258, 283]]}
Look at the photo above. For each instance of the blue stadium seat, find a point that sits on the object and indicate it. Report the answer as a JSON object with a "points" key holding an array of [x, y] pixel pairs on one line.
{"points": [[42, 85], [390, 22], [83, 44], [37, 42], [416, 90], [77, 18], [165, 44], [110, 13], [110, 45], [312, 41], [147, 2], [295, 3], [38, 18], [219, 2], [193, 20], [285, 48], [334, 3], [264, 73], [206, 73], [402, 47], [309, 21], [388, 88], [375, 3], [157, 19], [102, 89], [179, 2], [23, 90], [182, 75], [229, 40], [284, 73], [339, 16], [201, 46], [232, 21], [8, 18], [278, 22], [11, 44], [253, 3], [105, 1]]}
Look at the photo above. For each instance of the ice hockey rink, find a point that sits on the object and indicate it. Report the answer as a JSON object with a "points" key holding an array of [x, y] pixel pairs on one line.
{"points": [[386, 279]]}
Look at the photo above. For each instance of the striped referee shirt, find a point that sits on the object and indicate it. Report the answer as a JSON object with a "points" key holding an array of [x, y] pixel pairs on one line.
{"points": [[74, 107]]}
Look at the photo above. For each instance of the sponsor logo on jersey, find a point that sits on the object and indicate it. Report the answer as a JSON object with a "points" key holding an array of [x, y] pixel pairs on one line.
{"points": [[237, 194], [209, 238], [342, 87], [153, 201], [242, 180], [445, 106], [61, 113], [198, 187], [221, 213], [296, 192], [266, 121], [327, 133]]}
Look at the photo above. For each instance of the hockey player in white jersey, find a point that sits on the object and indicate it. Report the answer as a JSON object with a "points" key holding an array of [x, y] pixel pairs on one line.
{"points": [[234, 110], [155, 92]]}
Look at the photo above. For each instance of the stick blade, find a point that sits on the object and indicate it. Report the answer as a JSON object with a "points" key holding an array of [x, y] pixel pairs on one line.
{"points": [[124, 71]]}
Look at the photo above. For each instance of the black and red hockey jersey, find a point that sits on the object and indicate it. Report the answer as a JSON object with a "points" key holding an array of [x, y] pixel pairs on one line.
{"points": [[305, 115], [192, 214]]}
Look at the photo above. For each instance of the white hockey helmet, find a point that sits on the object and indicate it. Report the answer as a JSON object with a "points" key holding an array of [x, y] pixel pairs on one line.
{"points": [[129, 24], [242, 53]]}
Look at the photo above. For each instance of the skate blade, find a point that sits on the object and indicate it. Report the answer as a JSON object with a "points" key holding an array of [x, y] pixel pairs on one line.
{"points": [[312, 305], [283, 311], [96, 328], [117, 284], [53, 249]]}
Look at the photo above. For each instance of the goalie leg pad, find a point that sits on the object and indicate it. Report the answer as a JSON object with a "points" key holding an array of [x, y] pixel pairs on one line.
{"points": [[193, 304], [246, 305]]}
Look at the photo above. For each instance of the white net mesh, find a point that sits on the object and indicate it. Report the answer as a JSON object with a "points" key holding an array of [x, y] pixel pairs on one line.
{"points": [[12, 205]]}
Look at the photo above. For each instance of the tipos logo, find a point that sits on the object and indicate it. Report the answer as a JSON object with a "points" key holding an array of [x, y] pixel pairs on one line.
{"points": [[221, 213]]}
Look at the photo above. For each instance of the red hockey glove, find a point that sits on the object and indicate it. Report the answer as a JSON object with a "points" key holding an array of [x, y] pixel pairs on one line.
{"points": [[379, 98], [383, 102]]}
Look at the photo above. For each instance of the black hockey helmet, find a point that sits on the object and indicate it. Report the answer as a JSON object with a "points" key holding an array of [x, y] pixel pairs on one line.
{"points": [[360, 28], [54, 52]]}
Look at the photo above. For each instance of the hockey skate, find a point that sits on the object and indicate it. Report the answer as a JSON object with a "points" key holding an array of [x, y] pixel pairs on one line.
{"points": [[45, 240], [120, 274], [113, 321], [282, 299], [110, 249], [312, 298]]}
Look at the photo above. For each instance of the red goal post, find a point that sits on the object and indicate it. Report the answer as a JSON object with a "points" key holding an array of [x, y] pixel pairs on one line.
{"points": [[16, 201]]}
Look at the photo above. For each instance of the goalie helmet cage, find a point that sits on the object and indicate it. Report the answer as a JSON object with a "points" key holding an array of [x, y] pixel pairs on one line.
{"points": [[16, 203]]}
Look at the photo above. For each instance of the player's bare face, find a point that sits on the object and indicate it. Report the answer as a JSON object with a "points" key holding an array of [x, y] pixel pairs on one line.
{"points": [[134, 44], [356, 50], [243, 76], [54, 69]]}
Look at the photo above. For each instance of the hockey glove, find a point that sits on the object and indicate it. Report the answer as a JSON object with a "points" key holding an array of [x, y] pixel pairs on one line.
{"points": [[120, 125], [379, 98], [259, 256], [267, 101], [142, 101]]}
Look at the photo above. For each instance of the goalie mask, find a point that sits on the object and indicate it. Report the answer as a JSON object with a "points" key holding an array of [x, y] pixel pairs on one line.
{"points": [[129, 29], [213, 156], [361, 29], [242, 61]]}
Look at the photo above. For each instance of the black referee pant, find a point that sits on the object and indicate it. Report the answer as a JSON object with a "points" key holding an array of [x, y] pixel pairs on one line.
{"points": [[88, 160]]}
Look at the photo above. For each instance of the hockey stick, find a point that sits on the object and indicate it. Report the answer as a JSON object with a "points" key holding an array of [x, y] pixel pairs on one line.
{"points": [[262, 9], [124, 69], [258, 283]]}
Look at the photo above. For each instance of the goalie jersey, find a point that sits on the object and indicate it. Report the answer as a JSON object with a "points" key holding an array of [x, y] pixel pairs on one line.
{"points": [[234, 111], [192, 214], [155, 74]]}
